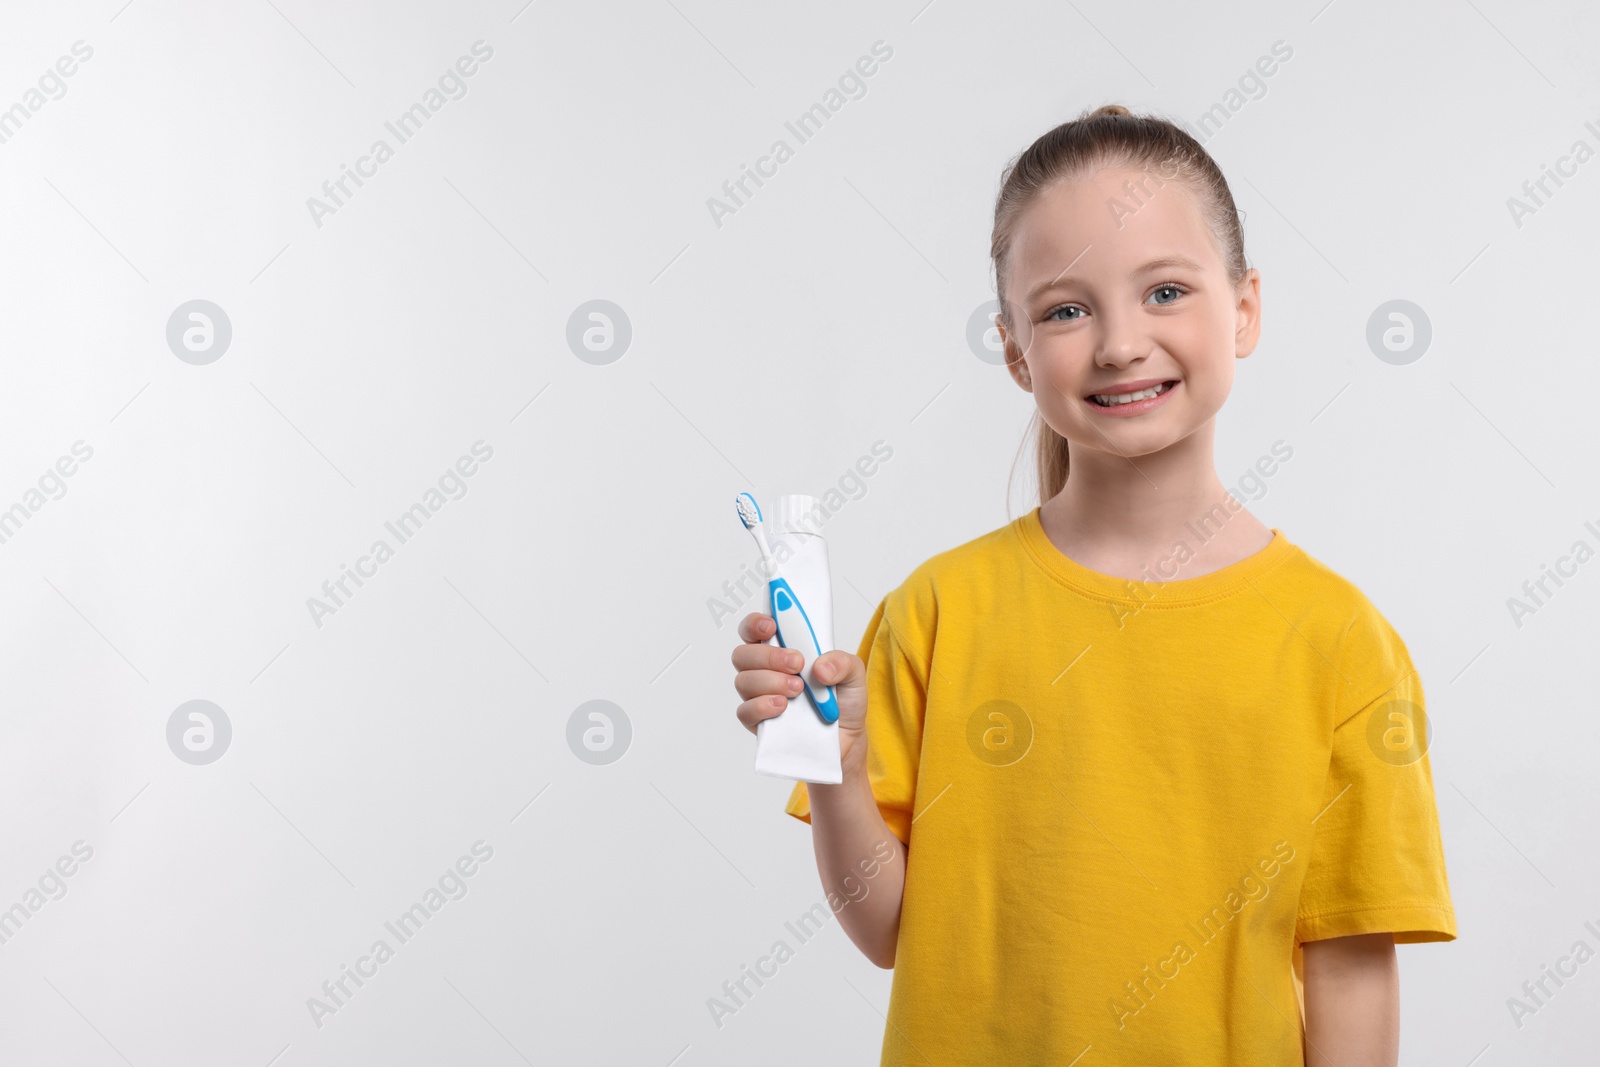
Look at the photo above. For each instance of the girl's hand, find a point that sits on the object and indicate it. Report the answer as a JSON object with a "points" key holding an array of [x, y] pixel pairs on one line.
{"points": [[770, 674]]}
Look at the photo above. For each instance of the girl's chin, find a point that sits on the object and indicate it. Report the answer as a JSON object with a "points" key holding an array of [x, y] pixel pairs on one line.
{"points": [[1123, 439]]}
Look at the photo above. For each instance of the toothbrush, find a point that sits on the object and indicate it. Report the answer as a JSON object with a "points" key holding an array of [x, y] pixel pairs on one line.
{"points": [[794, 626]]}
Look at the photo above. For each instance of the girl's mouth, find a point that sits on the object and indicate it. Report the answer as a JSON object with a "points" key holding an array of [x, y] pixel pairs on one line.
{"points": [[1135, 403]]}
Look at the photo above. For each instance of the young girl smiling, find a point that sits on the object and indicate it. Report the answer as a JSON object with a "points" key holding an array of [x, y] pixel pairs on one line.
{"points": [[1155, 780]]}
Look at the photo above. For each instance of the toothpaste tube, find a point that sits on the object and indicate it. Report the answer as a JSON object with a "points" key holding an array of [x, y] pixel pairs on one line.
{"points": [[798, 744]]}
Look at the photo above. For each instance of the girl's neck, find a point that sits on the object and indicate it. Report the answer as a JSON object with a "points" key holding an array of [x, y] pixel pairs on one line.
{"points": [[1118, 515]]}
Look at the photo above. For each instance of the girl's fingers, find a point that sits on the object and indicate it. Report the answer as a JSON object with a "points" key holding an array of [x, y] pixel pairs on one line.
{"points": [[758, 683], [753, 712], [771, 657], [840, 668], [755, 627]]}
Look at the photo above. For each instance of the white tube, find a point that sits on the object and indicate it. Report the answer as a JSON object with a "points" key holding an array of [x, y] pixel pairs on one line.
{"points": [[797, 744]]}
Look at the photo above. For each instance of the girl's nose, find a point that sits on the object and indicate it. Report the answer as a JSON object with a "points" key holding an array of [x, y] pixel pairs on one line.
{"points": [[1122, 340]]}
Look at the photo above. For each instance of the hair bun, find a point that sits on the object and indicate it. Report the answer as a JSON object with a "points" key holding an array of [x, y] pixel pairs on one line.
{"points": [[1109, 109]]}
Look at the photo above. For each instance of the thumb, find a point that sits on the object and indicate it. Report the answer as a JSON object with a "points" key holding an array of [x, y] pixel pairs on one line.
{"points": [[834, 668], [846, 672]]}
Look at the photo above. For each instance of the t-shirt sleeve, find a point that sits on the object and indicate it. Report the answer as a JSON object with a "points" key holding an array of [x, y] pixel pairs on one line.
{"points": [[896, 701], [1377, 859]]}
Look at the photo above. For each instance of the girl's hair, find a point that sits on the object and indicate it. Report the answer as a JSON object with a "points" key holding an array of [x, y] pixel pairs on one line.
{"points": [[1108, 136]]}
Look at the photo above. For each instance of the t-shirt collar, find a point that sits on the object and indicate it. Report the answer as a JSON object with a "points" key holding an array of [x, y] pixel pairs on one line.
{"points": [[1155, 592]]}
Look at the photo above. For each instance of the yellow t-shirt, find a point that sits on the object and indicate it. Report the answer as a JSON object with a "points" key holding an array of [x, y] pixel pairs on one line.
{"points": [[1127, 803]]}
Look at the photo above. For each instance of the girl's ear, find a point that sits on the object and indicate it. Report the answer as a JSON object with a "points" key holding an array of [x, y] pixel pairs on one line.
{"points": [[1024, 379], [1018, 368], [1015, 364], [1248, 331]]}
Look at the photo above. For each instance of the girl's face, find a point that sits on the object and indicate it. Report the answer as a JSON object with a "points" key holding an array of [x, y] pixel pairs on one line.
{"points": [[1115, 285]]}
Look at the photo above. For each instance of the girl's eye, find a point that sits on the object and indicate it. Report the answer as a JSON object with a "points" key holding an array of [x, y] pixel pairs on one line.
{"points": [[1053, 315]]}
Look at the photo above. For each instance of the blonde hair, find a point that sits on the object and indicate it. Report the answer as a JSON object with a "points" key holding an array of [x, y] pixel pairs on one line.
{"points": [[1110, 135]]}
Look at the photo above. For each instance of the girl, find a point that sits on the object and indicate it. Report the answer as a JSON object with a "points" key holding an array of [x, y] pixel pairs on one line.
{"points": [[1151, 782]]}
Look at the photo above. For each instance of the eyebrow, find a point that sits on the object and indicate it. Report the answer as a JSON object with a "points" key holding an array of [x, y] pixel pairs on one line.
{"points": [[1160, 263]]}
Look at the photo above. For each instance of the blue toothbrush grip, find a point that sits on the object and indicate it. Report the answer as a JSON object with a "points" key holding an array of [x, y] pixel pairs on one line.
{"points": [[795, 631]]}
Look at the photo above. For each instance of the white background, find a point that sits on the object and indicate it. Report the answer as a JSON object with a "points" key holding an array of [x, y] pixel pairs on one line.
{"points": [[368, 353]]}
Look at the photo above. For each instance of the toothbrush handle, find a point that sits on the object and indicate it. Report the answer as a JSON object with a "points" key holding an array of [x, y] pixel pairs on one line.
{"points": [[795, 631]]}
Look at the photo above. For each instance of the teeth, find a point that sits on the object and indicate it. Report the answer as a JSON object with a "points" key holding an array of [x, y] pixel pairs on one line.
{"points": [[1111, 400]]}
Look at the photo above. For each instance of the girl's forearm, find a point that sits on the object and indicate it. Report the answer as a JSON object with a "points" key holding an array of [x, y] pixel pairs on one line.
{"points": [[1352, 991], [861, 862]]}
